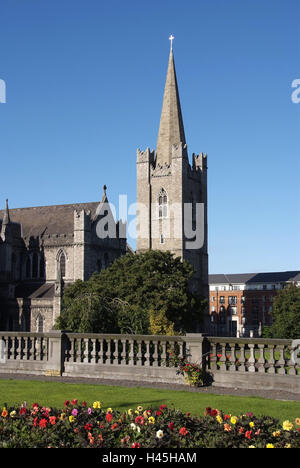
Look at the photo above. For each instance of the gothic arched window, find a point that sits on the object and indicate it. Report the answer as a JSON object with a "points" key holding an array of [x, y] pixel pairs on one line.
{"points": [[35, 262], [39, 324], [162, 204], [62, 264]]}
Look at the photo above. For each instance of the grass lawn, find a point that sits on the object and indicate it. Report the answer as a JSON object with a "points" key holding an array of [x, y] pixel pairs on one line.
{"points": [[14, 392]]}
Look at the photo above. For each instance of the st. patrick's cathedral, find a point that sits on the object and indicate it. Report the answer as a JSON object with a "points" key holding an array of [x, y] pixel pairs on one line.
{"points": [[45, 248]]}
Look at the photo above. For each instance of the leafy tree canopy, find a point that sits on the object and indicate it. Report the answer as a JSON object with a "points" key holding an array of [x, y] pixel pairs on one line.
{"points": [[285, 315], [126, 297]]}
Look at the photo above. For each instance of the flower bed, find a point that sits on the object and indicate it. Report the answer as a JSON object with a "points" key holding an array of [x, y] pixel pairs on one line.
{"points": [[78, 425]]}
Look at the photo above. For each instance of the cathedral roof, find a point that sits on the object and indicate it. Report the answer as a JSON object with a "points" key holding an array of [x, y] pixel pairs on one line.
{"points": [[171, 130], [48, 220]]}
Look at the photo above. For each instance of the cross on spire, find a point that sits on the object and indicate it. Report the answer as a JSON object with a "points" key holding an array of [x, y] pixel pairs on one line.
{"points": [[171, 38]]}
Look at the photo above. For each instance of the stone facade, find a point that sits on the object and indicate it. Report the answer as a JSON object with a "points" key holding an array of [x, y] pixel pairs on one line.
{"points": [[43, 249], [170, 190]]}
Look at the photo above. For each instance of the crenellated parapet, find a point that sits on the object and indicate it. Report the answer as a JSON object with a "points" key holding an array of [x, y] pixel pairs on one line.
{"points": [[147, 156]]}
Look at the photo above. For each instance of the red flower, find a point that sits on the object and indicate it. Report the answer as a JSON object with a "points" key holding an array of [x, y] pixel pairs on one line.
{"points": [[35, 422], [66, 403], [158, 413], [74, 402], [172, 425], [214, 413], [114, 426], [183, 431], [135, 445], [43, 423], [52, 420], [108, 417], [227, 416], [248, 434], [139, 420], [84, 403], [35, 405], [88, 427], [22, 411], [162, 407], [241, 430]]}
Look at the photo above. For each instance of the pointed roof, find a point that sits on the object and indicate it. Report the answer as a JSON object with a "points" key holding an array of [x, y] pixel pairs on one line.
{"points": [[171, 130]]}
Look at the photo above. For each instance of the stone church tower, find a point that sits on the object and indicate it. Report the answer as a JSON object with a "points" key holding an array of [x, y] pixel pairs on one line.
{"points": [[172, 193]]}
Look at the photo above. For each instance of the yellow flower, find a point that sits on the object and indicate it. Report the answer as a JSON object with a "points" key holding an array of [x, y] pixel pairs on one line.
{"points": [[140, 408], [12, 414], [151, 420], [287, 446], [287, 425], [62, 416], [96, 405], [219, 419], [130, 412], [270, 446], [109, 410], [233, 420], [145, 414], [137, 412], [251, 446], [4, 413], [276, 434], [71, 418], [297, 421], [251, 424]]}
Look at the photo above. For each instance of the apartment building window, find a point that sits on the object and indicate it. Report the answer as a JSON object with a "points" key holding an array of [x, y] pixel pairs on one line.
{"points": [[222, 299], [233, 310], [212, 299], [232, 300]]}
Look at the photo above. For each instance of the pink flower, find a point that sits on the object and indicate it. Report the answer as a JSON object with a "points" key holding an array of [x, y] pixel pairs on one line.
{"points": [[74, 412]]}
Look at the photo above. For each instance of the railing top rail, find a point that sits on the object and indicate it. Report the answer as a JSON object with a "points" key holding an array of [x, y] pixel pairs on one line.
{"points": [[266, 341], [19, 334], [112, 336]]}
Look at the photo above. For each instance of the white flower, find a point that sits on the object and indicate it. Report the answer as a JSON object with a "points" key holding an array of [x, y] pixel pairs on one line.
{"points": [[135, 428], [159, 434]]}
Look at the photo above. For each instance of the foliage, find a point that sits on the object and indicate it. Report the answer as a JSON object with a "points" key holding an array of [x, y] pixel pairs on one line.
{"points": [[125, 297], [80, 426], [285, 315], [193, 373]]}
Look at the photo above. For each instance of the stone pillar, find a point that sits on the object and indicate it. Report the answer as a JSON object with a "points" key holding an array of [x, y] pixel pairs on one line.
{"points": [[56, 350], [196, 345]]}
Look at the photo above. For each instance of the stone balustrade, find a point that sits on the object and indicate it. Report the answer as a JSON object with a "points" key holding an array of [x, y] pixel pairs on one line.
{"points": [[231, 362]]}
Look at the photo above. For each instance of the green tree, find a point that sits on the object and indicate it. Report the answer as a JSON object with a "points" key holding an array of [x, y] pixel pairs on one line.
{"points": [[120, 298], [285, 315]]}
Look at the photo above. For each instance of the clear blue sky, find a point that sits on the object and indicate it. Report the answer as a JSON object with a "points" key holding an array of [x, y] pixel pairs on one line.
{"points": [[85, 82]]}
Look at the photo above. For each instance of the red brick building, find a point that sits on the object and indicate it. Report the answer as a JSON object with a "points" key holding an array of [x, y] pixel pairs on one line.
{"points": [[241, 304]]}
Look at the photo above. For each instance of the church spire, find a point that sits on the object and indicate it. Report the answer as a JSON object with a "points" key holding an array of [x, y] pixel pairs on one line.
{"points": [[171, 130], [6, 217]]}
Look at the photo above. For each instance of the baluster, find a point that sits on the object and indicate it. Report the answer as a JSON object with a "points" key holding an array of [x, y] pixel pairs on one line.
{"points": [[251, 361], [261, 359], [139, 355], [292, 365], [213, 357], [18, 348], [131, 352], [242, 367], [155, 355], [271, 361], [93, 351], [232, 367], [281, 361], [147, 353], [85, 350], [101, 351], [13, 348]]}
